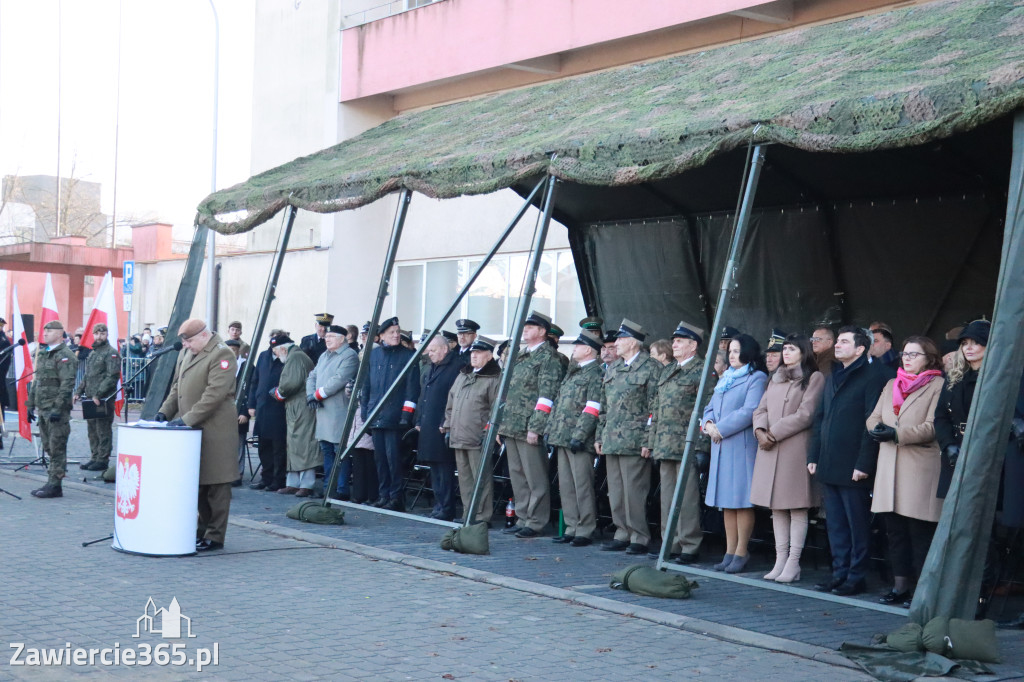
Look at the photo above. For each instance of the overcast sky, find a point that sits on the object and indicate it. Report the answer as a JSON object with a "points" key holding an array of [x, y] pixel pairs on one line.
{"points": [[166, 103]]}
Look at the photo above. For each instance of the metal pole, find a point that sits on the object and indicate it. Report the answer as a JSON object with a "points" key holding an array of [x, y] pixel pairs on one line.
{"points": [[332, 481], [728, 283], [211, 248], [269, 295], [526, 298]]}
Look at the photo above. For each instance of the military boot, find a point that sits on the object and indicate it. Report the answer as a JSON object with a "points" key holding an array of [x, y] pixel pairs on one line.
{"points": [[49, 490]]}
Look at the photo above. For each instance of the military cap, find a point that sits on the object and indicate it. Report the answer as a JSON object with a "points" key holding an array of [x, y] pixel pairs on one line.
{"points": [[482, 343], [424, 335], [610, 336], [630, 329], [775, 341], [590, 338], [236, 324], [233, 343], [387, 324], [191, 327], [3, 321], [162, 331], [99, 328], [977, 330], [405, 335], [450, 336], [280, 340], [324, 319], [730, 332], [685, 330], [556, 331], [337, 329], [53, 324], [366, 328], [539, 320], [592, 323], [501, 347], [466, 325]]}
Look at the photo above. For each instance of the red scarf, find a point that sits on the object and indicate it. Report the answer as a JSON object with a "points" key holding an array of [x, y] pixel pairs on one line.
{"points": [[907, 383]]}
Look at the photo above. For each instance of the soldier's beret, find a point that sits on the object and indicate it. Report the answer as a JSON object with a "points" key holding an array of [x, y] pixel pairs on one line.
{"points": [[482, 343], [323, 318], [53, 324], [689, 331], [539, 320], [466, 325], [590, 338], [387, 324], [236, 324], [99, 328], [280, 340], [191, 327], [337, 329], [631, 329]]}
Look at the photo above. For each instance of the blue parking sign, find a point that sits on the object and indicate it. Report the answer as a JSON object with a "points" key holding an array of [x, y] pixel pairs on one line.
{"points": [[128, 277]]}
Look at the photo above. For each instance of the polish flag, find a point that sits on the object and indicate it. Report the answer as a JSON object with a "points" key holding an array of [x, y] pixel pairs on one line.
{"points": [[104, 311], [49, 313], [22, 369]]}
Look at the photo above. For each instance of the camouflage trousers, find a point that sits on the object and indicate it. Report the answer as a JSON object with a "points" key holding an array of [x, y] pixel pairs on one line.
{"points": [[54, 437], [101, 438]]}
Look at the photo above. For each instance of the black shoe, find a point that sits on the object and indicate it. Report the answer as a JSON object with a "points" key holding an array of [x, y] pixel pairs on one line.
{"points": [[89, 466], [207, 545], [563, 539], [686, 559], [581, 542], [258, 486], [273, 488], [615, 546], [636, 548], [379, 502], [396, 505], [894, 597], [343, 497], [237, 483], [1013, 624], [848, 589], [512, 530], [527, 533], [829, 585], [461, 521], [47, 491]]}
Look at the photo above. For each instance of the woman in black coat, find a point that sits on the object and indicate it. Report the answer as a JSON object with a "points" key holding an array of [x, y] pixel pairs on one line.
{"points": [[433, 450]]}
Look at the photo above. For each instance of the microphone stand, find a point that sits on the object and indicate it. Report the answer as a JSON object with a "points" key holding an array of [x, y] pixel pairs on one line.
{"points": [[156, 356]]}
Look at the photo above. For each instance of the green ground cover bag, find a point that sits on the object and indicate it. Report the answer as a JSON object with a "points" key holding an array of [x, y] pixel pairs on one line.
{"points": [[312, 511], [650, 582], [471, 539]]}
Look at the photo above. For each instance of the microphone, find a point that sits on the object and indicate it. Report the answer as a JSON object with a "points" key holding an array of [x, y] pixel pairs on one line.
{"points": [[176, 347], [10, 349]]}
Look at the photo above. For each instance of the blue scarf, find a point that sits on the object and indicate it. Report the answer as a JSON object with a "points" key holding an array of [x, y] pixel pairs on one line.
{"points": [[730, 376]]}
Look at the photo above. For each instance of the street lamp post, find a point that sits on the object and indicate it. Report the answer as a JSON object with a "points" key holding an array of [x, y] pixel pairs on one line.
{"points": [[211, 246]]}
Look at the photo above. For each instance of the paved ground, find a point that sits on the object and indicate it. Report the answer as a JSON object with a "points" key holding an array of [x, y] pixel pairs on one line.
{"points": [[407, 609]]}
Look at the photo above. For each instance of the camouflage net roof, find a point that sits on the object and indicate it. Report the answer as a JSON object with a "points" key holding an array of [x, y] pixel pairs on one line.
{"points": [[893, 79]]}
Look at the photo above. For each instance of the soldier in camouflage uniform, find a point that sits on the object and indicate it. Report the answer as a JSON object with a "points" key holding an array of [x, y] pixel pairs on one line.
{"points": [[102, 370], [666, 438], [571, 430], [50, 393], [531, 394], [630, 392]]}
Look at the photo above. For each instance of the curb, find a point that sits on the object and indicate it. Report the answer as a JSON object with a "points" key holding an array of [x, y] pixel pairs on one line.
{"points": [[697, 626]]}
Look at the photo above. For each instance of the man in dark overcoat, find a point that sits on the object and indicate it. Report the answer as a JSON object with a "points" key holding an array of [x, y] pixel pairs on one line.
{"points": [[269, 423], [433, 450]]}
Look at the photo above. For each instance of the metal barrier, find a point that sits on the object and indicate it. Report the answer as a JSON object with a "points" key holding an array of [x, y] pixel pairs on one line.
{"points": [[134, 391]]}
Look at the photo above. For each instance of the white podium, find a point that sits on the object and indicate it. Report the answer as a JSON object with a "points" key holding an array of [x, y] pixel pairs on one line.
{"points": [[156, 500]]}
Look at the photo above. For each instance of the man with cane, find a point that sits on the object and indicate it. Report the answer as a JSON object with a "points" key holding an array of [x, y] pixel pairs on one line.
{"points": [[102, 370]]}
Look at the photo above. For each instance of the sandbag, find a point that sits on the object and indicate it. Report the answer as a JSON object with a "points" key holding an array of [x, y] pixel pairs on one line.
{"points": [[650, 582], [974, 640], [312, 511], [906, 638], [935, 635], [110, 475], [471, 539]]}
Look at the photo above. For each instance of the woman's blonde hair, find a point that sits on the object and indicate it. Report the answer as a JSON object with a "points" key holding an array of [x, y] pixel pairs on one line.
{"points": [[960, 367]]}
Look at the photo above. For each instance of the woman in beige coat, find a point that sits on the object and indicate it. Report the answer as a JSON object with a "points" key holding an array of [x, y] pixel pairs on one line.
{"points": [[782, 426], [907, 476]]}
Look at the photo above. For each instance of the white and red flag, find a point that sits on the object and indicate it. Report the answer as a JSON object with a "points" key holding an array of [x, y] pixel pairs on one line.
{"points": [[104, 311], [22, 368], [49, 313]]}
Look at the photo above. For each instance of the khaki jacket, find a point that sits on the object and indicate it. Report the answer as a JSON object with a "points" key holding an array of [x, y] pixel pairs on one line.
{"points": [[469, 405]]}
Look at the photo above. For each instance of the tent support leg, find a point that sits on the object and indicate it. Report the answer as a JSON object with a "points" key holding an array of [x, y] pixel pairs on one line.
{"points": [[526, 298], [183, 302], [269, 294], [728, 282], [957, 553]]}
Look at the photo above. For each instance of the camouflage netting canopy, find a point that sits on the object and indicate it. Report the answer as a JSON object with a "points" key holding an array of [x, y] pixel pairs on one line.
{"points": [[887, 80]]}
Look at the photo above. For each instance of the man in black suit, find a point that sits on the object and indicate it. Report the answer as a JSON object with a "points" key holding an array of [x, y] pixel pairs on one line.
{"points": [[466, 331], [314, 345]]}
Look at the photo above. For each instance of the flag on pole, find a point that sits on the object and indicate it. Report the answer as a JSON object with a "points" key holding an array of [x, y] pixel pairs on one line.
{"points": [[104, 311], [49, 313], [22, 369]]}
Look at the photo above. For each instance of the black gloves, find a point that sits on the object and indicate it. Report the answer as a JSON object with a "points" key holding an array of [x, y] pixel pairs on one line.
{"points": [[177, 421], [54, 417], [312, 403], [160, 417], [31, 416], [882, 433], [405, 421], [575, 445], [447, 439], [950, 455]]}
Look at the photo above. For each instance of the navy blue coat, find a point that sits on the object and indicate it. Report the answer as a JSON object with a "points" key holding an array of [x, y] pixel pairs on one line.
{"points": [[430, 411], [839, 440], [385, 364], [270, 419]]}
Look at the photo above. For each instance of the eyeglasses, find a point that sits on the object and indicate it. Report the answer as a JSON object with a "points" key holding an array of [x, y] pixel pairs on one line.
{"points": [[818, 339], [911, 355]]}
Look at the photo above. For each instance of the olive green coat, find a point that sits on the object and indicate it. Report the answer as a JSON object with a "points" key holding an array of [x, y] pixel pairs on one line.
{"points": [[303, 450], [670, 418], [630, 395], [53, 381], [531, 392], [469, 404], [203, 395], [102, 370], [580, 388]]}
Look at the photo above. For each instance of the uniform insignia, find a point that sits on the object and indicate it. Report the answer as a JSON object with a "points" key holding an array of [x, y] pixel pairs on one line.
{"points": [[64, 359], [224, 364]]}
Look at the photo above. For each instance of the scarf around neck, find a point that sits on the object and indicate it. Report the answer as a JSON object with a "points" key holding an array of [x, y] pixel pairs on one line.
{"points": [[906, 383], [730, 376]]}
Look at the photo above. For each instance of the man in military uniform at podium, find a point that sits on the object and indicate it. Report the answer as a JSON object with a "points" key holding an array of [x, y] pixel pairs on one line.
{"points": [[314, 345], [102, 370], [50, 393]]}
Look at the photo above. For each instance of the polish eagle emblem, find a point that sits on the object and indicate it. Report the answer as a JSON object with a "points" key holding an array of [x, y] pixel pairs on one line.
{"points": [[129, 482]]}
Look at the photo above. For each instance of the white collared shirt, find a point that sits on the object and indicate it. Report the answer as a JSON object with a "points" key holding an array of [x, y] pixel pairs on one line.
{"points": [[682, 363], [627, 362], [586, 362]]}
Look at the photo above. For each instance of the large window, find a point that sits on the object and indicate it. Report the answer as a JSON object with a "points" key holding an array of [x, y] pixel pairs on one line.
{"points": [[423, 291]]}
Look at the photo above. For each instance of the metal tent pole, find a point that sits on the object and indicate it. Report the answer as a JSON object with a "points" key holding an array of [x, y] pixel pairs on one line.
{"points": [[526, 298], [347, 446]]}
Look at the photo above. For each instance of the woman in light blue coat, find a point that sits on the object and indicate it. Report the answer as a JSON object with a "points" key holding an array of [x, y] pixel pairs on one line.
{"points": [[728, 421]]}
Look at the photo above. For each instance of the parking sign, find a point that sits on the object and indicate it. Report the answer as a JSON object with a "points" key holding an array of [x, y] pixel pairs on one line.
{"points": [[128, 277]]}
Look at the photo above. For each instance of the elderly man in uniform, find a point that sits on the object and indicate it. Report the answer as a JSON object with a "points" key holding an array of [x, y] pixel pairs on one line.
{"points": [[102, 370], [630, 390], [608, 353], [314, 345], [466, 413], [465, 332], [202, 396], [50, 393], [304, 454], [531, 395], [325, 393], [433, 450], [666, 439], [571, 430], [773, 351]]}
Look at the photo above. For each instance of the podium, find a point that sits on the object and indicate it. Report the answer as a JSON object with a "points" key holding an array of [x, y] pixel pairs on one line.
{"points": [[157, 489]]}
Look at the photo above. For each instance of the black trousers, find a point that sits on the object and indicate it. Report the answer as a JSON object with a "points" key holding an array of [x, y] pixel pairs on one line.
{"points": [[909, 540], [274, 460], [364, 475]]}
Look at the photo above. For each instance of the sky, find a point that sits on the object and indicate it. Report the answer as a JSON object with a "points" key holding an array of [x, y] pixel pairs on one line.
{"points": [[164, 123]]}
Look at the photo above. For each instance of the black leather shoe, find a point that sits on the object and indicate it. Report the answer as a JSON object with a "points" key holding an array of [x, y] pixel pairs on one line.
{"points": [[527, 533], [379, 502], [512, 530], [563, 539], [237, 483], [343, 497], [635, 548], [93, 466], [616, 546], [207, 545], [686, 559], [581, 542], [848, 589], [47, 491], [893, 597], [1014, 624], [829, 585], [258, 486], [397, 505]]}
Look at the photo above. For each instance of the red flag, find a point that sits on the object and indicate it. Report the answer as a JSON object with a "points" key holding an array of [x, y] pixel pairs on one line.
{"points": [[22, 369], [49, 313], [104, 311]]}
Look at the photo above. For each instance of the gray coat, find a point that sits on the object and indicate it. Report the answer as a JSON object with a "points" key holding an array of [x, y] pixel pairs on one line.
{"points": [[326, 383], [732, 460]]}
